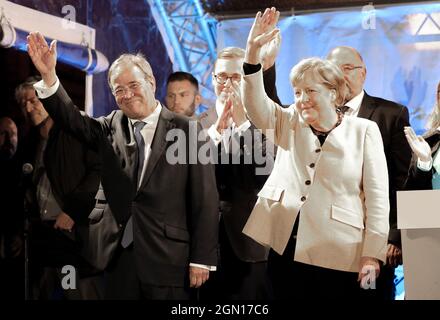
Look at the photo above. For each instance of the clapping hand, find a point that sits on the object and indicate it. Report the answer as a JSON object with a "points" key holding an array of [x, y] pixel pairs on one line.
{"points": [[418, 145]]}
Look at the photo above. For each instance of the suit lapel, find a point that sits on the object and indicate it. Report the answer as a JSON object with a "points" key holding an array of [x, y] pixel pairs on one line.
{"points": [[159, 144], [367, 107], [130, 157]]}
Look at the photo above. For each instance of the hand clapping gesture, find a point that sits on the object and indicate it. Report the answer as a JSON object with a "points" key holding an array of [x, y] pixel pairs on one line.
{"points": [[418, 145]]}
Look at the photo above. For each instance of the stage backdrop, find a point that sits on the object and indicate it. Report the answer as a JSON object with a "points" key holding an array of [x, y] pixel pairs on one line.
{"points": [[400, 45]]}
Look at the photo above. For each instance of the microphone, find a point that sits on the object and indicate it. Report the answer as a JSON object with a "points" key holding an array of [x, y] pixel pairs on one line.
{"points": [[27, 169]]}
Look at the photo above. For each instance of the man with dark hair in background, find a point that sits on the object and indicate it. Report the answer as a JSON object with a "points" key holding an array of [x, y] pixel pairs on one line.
{"points": [[183, 93]]}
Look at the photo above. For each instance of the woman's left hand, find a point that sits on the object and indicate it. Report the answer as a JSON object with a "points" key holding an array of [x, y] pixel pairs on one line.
{"points": [[369, 271]]}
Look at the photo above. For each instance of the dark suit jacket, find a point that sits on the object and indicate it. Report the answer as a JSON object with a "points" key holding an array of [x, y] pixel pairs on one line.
{"points": [[175, 218], [238, 185], [391, 119], [74, 174], [419, 179]]}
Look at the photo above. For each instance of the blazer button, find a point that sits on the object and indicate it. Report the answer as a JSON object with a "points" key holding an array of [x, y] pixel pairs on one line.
{"points": [[308, 182], [318, 150], [312, 165], [303, 198]]}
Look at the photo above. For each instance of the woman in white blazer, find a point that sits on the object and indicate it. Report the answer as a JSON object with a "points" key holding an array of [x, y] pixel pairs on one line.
{"points": [[324, 209]]}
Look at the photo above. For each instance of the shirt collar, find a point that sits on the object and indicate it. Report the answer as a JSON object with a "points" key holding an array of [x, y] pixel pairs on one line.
{"points": [[151, 119], [355, 103]]}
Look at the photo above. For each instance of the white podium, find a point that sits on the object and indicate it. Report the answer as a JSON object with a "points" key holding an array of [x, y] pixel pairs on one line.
{"points": [[418, 217]]}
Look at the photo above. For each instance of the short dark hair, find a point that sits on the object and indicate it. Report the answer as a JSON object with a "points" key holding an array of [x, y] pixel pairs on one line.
{"points": [[181, 76]]}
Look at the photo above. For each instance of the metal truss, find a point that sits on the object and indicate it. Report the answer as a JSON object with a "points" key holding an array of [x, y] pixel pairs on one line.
{"points": [[189, 35]]}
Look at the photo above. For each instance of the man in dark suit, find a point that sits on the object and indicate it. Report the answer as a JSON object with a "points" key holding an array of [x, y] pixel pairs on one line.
{"points": [[167, 212], [239, 176], [65, 180], [391, 119]]}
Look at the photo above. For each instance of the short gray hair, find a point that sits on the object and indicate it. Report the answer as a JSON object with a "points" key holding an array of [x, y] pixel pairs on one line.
{"points": [[128, 59], [21, 88], [325, 71], [230, 53]]}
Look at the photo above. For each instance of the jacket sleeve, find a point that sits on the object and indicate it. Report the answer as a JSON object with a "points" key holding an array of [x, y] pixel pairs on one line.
{"points": [[400, 157], [269, 78], [80, 202], [375, 185], [66, 115], [263, 112], [203, 212]]}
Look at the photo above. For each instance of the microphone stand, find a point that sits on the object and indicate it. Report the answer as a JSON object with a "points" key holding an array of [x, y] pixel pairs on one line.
{"points": [[27, 295], [26, 176]]}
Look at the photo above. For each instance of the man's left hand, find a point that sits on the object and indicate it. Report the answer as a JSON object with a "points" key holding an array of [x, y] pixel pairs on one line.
{"points": [[394, 255], [197, 276], [64, 222]]}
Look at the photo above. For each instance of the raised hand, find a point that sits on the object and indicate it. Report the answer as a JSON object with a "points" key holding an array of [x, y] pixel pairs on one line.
{"points": [[238, 112], [418, 145], [263, 31], [269, 52], [43, 57]]}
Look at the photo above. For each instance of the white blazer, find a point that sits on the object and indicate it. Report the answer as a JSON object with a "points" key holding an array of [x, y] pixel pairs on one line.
{"points": [[341, 188]]}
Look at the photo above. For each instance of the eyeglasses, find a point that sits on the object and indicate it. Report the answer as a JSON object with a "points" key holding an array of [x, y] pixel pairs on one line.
{"points": [[222, 78], [346, 68], [133, 87]]}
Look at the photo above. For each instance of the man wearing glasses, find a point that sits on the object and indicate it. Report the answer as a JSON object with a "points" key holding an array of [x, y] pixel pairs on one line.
{"points": [[242, 271], [167, 214], [391, 119]]}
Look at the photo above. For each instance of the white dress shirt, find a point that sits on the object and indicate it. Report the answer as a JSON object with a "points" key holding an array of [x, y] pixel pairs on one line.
{"points": [[355, 104]]}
